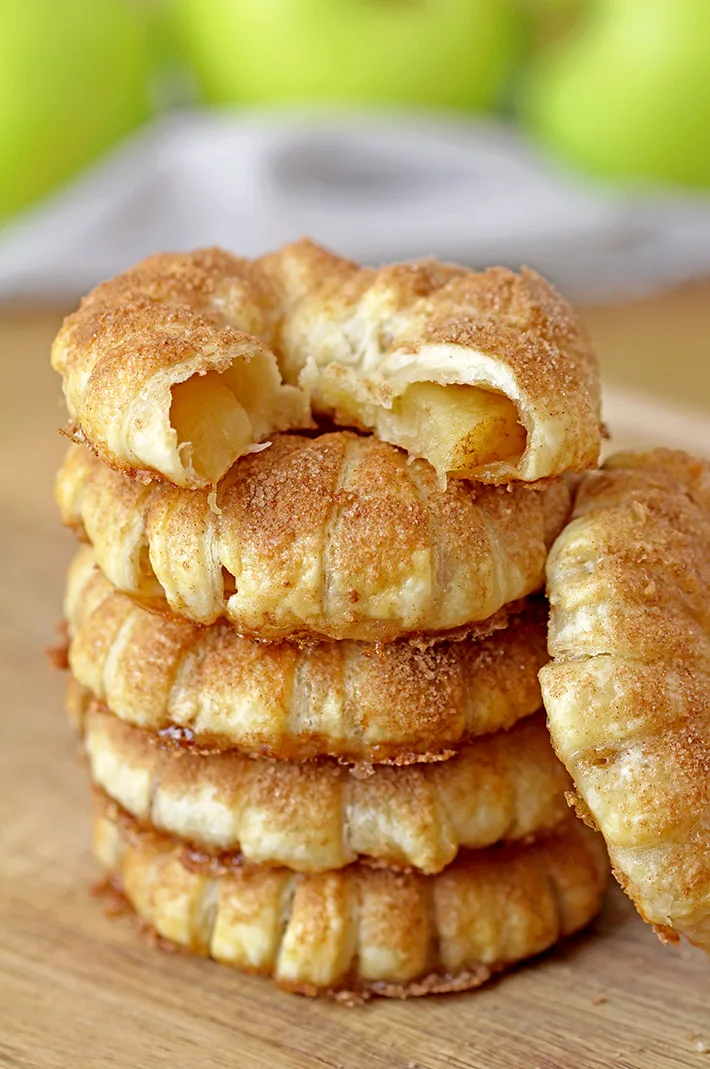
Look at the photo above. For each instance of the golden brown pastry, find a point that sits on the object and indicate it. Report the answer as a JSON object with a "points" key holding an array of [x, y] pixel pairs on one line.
{"points": [[169, 369], [358, 702], [362, 931], [486, 375], [628, 693], [336, 536], [318, 816]]}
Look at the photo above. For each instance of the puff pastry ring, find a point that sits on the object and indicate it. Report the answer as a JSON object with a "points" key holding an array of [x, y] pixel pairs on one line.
{"points": [[361, 931], [318, 816], [213, 689], [628, 690], [336, 536]]}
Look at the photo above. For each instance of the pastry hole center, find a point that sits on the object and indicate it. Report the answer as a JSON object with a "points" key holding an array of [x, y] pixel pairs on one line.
{"points": [[218, 416]]}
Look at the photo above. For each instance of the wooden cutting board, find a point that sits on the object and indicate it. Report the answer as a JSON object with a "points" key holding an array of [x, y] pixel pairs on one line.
{"points": [[79, 990]]}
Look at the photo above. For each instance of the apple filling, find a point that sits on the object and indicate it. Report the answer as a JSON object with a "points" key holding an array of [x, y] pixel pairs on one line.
{"points": [[459, 429], [220, 415]]}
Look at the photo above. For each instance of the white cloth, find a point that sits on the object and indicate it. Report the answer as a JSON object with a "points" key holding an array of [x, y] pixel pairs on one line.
{"points": [[374, 188]]}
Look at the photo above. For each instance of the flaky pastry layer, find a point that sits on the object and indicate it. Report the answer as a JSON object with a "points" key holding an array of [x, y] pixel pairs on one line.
{"points": [[628, 691], [361, 931], [318, 816], [168, 370], [213, 689], [335, 536], [174, 369]]}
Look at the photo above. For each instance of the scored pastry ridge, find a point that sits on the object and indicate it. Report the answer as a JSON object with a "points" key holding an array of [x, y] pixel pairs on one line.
{"points": [[360, 703], [320, 816], [628, 690], [188, 360], [337, 536], [362, 930]]}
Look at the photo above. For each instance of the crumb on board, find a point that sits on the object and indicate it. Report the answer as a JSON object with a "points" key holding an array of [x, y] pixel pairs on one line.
{"points": [[702, 1046]]}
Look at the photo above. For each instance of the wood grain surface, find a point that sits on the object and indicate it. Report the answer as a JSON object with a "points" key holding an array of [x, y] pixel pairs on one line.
{"points": [[79, 990]]}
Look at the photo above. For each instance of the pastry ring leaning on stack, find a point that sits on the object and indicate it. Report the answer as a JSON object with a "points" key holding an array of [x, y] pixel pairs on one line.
{"points": [[628, 691]]}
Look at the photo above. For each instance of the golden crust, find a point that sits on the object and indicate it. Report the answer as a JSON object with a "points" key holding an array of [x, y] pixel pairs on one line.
{"points": [[358, 337], [335, 536], [628, 692], [217, 690], [318, 816], [360, 930], [134, 338]]}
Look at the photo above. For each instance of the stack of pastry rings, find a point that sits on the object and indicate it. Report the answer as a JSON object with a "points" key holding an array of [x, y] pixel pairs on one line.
{"points": [[307, 685]]}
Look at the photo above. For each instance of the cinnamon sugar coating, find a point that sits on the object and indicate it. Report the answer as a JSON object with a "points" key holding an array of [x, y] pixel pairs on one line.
{"points": [[311, 330], [628, 690], [172, 317], [360, 703], [362, 931], [319, 816], [336, 536], [360, 337]]}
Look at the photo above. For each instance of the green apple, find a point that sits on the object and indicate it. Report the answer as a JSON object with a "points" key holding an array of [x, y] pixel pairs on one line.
{"points": [[628, 95], [449, 53], [73, 80]]}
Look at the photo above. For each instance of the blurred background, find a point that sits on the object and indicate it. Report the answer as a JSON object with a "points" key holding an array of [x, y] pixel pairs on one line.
{"points": [[571, 135]]}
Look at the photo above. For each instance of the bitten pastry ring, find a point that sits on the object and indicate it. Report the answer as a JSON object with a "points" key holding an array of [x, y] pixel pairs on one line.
{"points": [[217, 690], [628, 692], [170, 370], [487, 375], [335, 536], [318, 816], [361, 931]]}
